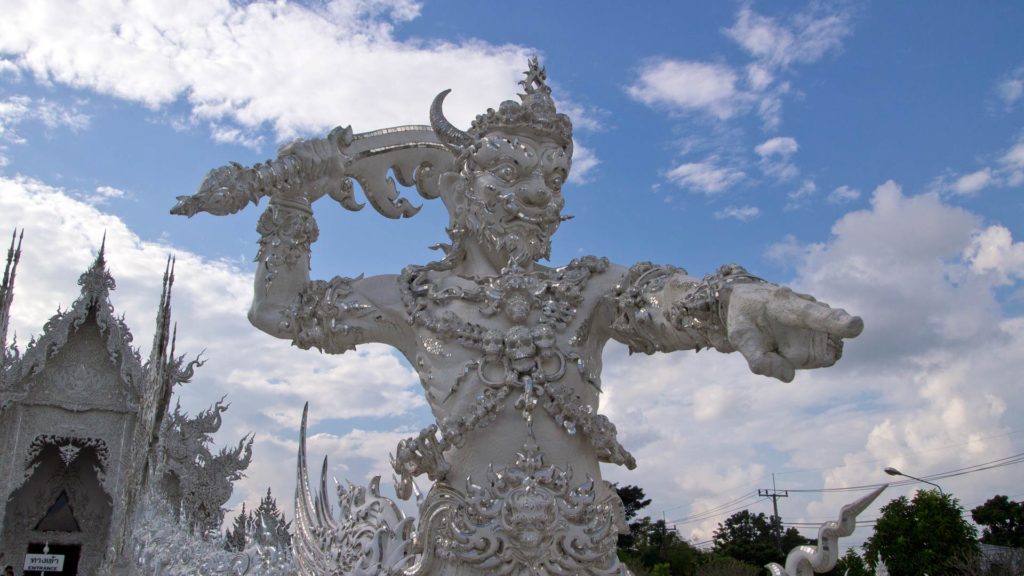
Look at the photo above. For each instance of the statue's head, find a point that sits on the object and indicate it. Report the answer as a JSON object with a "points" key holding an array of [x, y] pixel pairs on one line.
{"points": [[505, 189]]}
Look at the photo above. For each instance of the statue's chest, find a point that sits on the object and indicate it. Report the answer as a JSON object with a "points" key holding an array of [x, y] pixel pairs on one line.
{"points": [[518, 331]]}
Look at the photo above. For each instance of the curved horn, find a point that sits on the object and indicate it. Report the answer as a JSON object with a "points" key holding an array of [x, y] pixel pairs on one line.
{"points": [[446, 132]]}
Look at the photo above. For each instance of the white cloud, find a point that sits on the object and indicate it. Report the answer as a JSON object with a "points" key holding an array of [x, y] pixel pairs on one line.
{"points": [[16, 110], [718, 91], [741, 213], [1010, 88], [843, 194], [104, 194], [776, 46], [780, 146], [797, 198], [250, 64], [1008, 170], [807, 38], [266, 380], [931, 384], [972, 183], [775, 156], [685, 86], [584, 161], [705, 177], [1013, 165], [993, 251]]}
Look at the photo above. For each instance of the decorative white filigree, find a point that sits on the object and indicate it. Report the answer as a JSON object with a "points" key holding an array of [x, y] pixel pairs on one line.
{"points": [[370, 537], [68, 448], [162, 545], [96, 285], [202, 481], [529, 519]]}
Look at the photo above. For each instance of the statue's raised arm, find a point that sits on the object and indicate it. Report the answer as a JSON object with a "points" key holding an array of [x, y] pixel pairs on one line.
{"points": [[778, 331], [338, 314]]}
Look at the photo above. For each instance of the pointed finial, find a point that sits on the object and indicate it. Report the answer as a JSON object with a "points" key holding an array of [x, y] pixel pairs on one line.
{"points": [[96, 282], [7, 285]]}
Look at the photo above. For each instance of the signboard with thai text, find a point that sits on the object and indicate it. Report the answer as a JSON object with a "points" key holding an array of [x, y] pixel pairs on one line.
{"points": [[44, 562]]}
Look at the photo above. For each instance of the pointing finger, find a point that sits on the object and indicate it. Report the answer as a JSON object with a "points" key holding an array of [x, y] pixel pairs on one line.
{"points": [[790, 309]]}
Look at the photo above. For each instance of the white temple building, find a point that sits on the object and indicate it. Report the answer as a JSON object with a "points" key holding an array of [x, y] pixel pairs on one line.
{"points": [[86, 435]]}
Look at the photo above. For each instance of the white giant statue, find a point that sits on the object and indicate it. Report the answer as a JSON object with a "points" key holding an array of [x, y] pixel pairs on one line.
{"points": [[508, 350]]}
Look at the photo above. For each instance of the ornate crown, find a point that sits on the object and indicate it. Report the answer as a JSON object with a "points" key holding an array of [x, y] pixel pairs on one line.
{"points": [[535, 115]]}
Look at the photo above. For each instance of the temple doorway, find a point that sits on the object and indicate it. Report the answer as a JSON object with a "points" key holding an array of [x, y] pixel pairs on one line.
{"points": [[61, 503]]}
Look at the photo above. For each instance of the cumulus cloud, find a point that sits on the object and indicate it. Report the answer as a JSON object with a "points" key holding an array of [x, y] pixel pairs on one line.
{"points": [[706, 177], [799, 197], [719, 90], [684, 86], [741, 213], [16, 110], [931, 384], [1006, 171], [1010, 88], [266, 380], [806, 38], [993, 251], [775, 154], [245, 65], [843, 194], [722, 91], [584, 161], [973, 182]]}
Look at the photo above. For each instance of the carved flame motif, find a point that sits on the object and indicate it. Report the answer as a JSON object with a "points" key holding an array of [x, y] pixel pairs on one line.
{"points": [[530, 520]]}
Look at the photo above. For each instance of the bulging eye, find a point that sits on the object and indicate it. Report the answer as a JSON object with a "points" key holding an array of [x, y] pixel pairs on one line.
{"points": [[555, 179], [506, 172]]}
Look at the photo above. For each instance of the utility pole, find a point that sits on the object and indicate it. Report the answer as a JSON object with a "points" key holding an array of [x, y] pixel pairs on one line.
{"points": [[775, 495]]}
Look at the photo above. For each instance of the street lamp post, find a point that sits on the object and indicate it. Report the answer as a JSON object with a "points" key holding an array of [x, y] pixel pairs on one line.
{"points": [[894, 472]]}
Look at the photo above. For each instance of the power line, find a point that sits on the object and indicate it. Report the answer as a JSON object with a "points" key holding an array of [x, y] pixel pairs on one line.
{"points": [[998, 463], [936, 449], [709, 514]]}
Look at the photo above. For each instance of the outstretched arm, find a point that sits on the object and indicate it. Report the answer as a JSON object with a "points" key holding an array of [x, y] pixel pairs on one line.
{"points": [[778, 331], [333, 315]]}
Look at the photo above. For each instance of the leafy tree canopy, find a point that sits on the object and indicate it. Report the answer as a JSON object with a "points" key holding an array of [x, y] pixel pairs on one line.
{"points": [[751, 538], [1002, 521], [921, 536]]}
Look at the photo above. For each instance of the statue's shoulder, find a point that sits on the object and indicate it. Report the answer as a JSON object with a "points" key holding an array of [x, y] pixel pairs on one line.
{"points": [[593, 276]]}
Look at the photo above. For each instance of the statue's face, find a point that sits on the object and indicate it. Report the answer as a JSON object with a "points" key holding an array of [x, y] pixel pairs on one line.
{"points": [[515, 193]]}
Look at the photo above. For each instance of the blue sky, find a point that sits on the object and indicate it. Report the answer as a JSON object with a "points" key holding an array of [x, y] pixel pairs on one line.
{"points": [[871, 153]]}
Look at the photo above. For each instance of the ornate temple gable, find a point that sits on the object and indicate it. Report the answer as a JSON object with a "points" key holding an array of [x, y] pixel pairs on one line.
{"points": [[92, 308]]}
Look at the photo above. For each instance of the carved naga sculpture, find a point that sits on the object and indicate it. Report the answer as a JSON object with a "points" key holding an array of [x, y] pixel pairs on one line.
{"points": [[508, 350]]}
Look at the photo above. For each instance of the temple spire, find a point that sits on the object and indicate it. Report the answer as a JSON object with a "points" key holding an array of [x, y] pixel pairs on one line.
{"points": [[163, 316], [7, 284], [96, 282]]}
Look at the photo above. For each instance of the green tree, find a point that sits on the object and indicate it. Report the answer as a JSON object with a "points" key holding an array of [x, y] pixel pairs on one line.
{"points": [[714, 565], [921, 536], [751, 538], [651, 547], [1002, 520], [850, 564], [633, 502]]}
